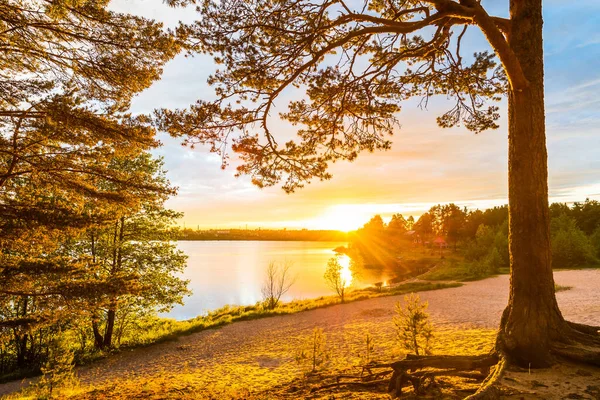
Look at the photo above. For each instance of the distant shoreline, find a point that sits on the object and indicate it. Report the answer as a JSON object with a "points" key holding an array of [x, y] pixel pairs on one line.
{"points": [[260, 240], [272, 235]]}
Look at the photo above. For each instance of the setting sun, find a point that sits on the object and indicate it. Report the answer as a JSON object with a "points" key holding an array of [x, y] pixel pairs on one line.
{"points": [[343, 218]]}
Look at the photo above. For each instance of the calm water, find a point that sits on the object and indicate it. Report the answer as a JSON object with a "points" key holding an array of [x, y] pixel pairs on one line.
{"points": [[232, 272]]}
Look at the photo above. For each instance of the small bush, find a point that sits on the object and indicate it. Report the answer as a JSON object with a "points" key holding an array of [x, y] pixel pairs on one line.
{"points": [[313, 353], [369, 344], [413, 327], [560, 288]]}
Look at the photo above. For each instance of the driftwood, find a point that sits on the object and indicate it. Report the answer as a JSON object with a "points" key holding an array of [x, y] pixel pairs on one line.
{"points": [[418, 371], [351, 383], [410, 370], [371, 375]]}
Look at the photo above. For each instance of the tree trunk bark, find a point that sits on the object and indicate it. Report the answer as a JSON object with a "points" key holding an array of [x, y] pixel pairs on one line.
{"points": [[110, 326], [532, 318], [98, 338]]}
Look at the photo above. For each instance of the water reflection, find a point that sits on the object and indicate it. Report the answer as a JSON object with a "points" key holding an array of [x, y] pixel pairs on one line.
{"points": [[230, 272], [346, 271]]}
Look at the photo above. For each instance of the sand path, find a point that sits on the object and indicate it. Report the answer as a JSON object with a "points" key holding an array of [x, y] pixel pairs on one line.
{"points": [[261, 351]]}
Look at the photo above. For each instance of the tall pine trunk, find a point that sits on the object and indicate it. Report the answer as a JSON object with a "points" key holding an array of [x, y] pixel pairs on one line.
{"points": [[532, 318]]}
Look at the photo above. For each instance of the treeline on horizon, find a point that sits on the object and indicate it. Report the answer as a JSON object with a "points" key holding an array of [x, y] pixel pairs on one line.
{"points": [[480, 237], [264, 234]]}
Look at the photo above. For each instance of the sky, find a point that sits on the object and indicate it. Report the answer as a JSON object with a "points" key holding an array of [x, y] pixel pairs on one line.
{"points": [[427, 165]]}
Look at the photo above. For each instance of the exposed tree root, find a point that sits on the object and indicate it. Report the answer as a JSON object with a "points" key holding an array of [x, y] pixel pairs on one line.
{"points": [[580, 343], [489, 387], [372, 375], [588, 329]]}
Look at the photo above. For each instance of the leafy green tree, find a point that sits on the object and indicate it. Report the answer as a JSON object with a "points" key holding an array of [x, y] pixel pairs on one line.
{"points": [[375, 226], [410, 222], [481, 245], [587, 215], [495, 216], [374, 244], [448, 220], [70, 70], [121, 267], [595, 241], [134, 256], [398, 225], [424, 226], [570, 246], [488, 251], [473, 220], [558, 209], [387, 51]]}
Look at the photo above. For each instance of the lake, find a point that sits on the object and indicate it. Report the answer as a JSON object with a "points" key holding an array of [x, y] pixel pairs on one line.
{"points": [[232, 272]]}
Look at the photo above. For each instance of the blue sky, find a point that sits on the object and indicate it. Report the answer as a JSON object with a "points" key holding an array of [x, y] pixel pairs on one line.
{"points": [[426, 165]]}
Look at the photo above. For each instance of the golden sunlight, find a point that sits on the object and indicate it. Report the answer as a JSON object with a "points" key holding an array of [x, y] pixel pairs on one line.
{"points": [[346, 272], [342, 218]]}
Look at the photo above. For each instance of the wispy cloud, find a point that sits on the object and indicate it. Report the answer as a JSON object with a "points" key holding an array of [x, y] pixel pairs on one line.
{"points": [[426, 165]]}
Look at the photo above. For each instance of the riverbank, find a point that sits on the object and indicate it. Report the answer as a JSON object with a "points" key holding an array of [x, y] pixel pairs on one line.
{"points": [[255, 358]]}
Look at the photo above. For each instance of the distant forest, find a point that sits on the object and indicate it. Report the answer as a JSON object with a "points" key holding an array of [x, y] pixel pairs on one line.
{"points": [[264, 234], [480, 238]]}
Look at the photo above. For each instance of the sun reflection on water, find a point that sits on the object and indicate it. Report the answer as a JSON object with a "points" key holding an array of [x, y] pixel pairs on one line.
{"points": [[346, 272]]}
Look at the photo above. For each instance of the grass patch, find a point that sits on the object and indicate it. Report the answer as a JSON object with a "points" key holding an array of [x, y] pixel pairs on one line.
{"points": [[453, 270], [560, 288]]}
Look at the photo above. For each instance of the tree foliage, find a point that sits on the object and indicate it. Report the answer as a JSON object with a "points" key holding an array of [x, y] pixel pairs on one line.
{"points": [[69, 72], [570, 245], [354, 62], [101, 277]]}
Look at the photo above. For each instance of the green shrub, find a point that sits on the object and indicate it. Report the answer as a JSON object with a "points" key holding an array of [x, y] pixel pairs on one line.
{"points": [[570, 246], [413, 328]]}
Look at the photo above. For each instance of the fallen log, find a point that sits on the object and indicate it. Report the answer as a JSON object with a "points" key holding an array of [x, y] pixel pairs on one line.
{"points": [[407, 371]]}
